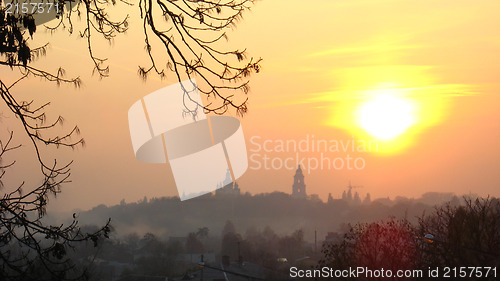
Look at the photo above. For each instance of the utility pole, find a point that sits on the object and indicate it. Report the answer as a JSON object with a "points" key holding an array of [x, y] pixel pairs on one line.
{"points": [[315, 241]]}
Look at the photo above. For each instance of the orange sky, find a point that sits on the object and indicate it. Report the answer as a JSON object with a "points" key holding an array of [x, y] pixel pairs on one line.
{"points": [[322, 61]]}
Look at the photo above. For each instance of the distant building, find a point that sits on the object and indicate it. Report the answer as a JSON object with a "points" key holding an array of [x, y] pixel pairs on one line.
{"points": [[299, 187], [368, 199], [330, 198], [350, 197], [227, 187]]}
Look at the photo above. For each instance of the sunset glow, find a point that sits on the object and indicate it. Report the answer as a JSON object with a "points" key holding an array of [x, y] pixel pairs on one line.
{"points": [[417, 80], [387, 116]]}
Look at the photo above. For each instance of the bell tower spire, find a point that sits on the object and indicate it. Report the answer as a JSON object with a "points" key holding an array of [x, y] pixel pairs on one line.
{"points": [[299, 187]]}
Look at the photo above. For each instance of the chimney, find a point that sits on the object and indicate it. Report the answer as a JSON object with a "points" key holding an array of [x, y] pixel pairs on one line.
{"points": [[225, 260]]}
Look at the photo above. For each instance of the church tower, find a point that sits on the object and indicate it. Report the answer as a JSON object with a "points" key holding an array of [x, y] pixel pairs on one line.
{"points": [[299, 187]]}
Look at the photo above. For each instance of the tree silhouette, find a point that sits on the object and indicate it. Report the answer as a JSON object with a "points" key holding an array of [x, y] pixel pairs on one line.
{"points": [[230, 244], [388, 245], [202, 232], [464, 235], [193, 244], [179, 31], [188, 32], [228, 228]]}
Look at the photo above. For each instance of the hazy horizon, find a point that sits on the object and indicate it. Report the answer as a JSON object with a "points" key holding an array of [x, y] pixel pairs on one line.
{"points": [[323, 63]]}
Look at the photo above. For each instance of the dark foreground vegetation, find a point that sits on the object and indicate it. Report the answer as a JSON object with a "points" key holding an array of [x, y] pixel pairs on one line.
{"points": [[403, 234]]}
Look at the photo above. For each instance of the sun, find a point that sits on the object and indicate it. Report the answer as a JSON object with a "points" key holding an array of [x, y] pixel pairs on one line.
{"points": [[387, 116]]}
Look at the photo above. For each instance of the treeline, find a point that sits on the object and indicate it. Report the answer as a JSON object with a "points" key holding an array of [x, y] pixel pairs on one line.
{"points": [[170, 217], [149, 255], [452, 241], [458, 233]]}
